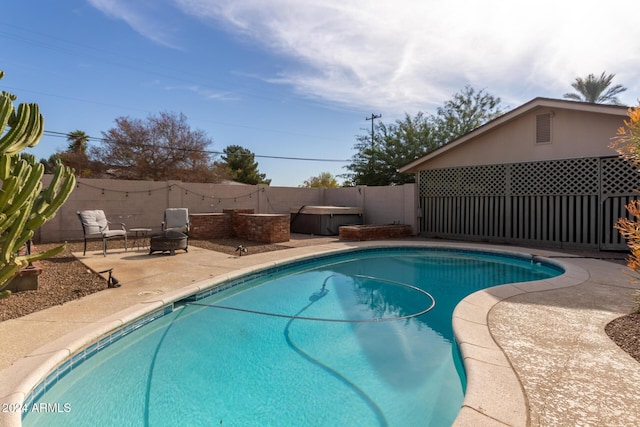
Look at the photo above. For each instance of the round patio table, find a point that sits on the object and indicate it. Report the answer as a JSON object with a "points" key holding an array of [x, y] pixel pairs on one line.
{"points": [[140, 237]]}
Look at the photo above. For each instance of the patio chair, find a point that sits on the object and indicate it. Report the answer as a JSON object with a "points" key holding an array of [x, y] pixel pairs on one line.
{"points": [[96, 226], [176, 219]]}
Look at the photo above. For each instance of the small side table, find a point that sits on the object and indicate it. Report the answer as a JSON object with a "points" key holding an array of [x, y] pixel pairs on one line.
{"points": [[140, 237]]}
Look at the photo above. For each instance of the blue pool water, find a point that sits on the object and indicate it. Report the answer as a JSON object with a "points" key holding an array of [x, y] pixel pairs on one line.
{"points": [[336, 341]]}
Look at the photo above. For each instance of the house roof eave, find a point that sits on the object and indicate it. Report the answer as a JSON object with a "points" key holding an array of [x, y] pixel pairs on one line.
{"points": [[534, 104]]}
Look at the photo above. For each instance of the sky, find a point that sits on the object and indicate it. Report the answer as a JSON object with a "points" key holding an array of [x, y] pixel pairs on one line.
{"points": [[294, 80]]}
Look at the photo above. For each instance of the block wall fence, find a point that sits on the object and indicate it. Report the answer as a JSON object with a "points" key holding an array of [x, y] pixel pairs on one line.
{"points": [[142, 203]]}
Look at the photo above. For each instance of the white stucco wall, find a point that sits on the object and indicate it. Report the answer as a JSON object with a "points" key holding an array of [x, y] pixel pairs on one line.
{"points": [[574, 134]]}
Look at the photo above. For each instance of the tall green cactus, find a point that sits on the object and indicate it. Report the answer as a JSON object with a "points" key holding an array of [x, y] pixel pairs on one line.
{"points": [[24, 206]]}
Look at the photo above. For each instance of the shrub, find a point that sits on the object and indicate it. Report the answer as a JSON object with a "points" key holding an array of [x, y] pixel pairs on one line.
{"points": [[627, 144]]}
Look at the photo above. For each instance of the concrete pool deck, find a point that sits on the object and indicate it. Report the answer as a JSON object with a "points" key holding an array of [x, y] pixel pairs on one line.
{"points": [[535, 353]]}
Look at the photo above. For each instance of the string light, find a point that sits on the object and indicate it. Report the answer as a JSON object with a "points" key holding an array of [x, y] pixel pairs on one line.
{"points": [[169, 188]]}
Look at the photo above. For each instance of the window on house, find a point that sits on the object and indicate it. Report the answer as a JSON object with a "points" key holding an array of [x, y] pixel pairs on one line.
{"points": [[543, 128]]}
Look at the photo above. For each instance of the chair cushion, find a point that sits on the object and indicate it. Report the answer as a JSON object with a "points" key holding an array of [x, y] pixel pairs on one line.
{"points": [[94, 221], [176, 218], [114, 233]]}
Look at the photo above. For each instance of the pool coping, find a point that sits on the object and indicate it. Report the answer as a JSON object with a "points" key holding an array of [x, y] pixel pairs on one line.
{"points": [[484, 360]]}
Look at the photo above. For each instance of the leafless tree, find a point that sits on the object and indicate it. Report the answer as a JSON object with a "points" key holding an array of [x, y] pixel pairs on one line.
{"points": [[159, 148]]}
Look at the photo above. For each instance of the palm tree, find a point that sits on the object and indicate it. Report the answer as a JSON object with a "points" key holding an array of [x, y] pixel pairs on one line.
{"points": [[596, 90], [77, 142], [76, 155]]}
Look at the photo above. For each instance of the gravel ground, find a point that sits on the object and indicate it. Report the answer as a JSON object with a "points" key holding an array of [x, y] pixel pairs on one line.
{"points": [[625, 331], [64, 279]]}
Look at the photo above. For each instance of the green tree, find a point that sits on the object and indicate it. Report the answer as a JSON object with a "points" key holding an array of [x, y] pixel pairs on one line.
{"points": [[324, 180], [162, 147], [24, 205], [50, 163], [395, 145], [464, 112], [241, 165], [596, 90], [401, 142], [366, 161], [405, 140]]}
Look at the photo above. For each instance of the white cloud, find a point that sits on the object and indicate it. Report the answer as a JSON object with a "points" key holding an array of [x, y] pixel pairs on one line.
{"points": [[407, 55], [205, 93], [142, 17]]}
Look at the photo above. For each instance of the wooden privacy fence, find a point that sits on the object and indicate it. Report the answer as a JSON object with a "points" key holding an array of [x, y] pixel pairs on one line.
{"points": [[559, 203]]}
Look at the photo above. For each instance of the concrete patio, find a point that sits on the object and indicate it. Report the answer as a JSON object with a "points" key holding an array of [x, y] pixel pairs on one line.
{"points": [[535, 353]]}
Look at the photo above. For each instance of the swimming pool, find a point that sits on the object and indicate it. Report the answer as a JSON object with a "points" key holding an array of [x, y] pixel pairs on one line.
{"points": [[295, 354]]}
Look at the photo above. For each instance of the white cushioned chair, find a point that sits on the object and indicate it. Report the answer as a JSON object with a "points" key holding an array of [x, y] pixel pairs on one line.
{"points": [[96, 226], [176, 219]]}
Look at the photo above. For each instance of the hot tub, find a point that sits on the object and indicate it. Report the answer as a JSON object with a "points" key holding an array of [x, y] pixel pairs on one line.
{"points": [[323, 220]]}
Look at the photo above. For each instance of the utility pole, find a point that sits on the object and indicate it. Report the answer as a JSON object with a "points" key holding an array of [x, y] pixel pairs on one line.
{"points": [[372, 118]]}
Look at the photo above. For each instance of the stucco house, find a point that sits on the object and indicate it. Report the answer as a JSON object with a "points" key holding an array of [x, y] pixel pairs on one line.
{"points": [[543, 173]]}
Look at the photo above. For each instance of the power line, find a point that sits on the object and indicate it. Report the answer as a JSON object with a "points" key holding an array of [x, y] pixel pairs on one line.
{"points": [[93, 138], [54, 43], [278, 131]]}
